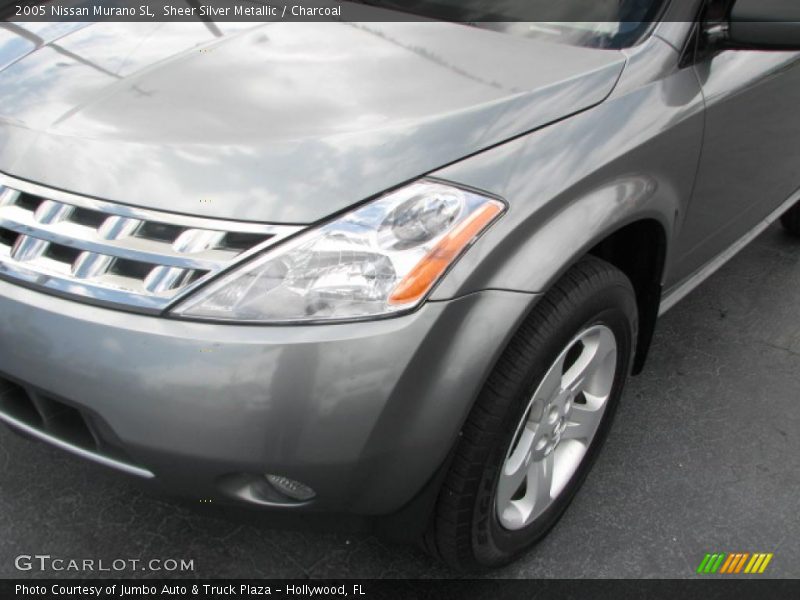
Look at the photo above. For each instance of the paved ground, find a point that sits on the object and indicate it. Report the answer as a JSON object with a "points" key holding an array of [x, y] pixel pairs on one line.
{"points": [[704, 456]]}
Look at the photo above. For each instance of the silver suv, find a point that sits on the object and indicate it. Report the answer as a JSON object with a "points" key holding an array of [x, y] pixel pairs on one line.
{"points": [[398, 269]]}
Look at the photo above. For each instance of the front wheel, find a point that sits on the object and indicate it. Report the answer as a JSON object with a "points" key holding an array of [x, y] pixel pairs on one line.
{"points": [[538, 424]]}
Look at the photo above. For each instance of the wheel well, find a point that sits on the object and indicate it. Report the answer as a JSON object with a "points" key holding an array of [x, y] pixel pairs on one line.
{"points": [[639, 251]]}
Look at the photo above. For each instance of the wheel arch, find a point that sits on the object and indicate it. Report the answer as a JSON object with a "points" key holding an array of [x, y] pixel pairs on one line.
{"points": [[628, 222], [639, 249]]}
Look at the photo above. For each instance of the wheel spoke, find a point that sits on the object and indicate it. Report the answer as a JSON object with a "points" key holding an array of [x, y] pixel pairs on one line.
{"points": [[523, 447], [551, 384], [509, 484], [583, 422], [515, 469], [597, 346], [542, 473]]}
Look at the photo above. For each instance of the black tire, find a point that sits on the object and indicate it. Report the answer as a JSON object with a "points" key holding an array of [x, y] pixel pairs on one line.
{"points": [[791, 220], [465, 531]]}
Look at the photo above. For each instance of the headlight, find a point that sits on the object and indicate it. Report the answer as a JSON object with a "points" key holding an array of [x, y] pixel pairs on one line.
{"points": [[379, 259]]}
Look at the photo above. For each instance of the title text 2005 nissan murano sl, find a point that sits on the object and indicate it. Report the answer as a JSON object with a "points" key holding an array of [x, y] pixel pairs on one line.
{"points": [[388, 269]]}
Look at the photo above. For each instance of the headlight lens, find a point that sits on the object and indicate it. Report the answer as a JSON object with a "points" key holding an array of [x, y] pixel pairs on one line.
{"points": [[379, 259]]}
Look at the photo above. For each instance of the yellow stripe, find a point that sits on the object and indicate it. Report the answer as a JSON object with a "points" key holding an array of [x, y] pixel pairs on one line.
{"points": [[727, 564], [765, 563], [758, 563], [751, 563], [741, 562]]}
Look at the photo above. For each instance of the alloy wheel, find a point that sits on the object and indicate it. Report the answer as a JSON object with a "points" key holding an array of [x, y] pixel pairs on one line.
{"points": [[557, 427]]}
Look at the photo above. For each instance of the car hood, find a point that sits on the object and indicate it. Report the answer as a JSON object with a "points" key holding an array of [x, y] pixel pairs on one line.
{"points": [[280, 122]]}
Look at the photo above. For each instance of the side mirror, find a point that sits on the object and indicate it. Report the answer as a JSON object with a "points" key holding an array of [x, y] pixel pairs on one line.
{"points": [[765, 25]]}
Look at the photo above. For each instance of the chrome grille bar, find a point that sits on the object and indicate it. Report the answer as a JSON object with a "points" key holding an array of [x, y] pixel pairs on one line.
{"points": [[117, 254], [122, 246]]}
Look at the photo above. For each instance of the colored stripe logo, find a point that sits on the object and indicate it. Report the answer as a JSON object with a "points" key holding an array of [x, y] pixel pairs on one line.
{"points": [[734, 563]]}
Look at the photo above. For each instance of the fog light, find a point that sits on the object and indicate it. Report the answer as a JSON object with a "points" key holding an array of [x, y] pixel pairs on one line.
{"points": [[291, 488]]}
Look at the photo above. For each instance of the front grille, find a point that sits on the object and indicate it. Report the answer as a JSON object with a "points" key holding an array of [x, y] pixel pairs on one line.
{"points": [[43, 417], [113, 253]]}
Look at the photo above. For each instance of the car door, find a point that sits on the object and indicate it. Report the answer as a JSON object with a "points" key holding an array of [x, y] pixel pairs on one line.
{"points": [[750, 162]]}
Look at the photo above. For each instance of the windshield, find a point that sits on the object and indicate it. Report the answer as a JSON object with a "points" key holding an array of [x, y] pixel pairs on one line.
{"points": [[594, 23]]}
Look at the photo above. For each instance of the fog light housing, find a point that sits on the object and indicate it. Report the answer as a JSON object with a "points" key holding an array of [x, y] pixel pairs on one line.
{"points": [[291, 488]]}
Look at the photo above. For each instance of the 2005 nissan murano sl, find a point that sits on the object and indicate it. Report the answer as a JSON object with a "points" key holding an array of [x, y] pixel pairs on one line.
{"points": [[389, 269]]}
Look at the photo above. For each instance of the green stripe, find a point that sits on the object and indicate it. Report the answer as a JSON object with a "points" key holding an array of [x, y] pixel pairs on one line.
{"points": [[711, 563], [703, 564], [719, 562]]}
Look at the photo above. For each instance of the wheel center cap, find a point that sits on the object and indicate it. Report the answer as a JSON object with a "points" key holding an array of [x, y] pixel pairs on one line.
{"points": [[555, 420]]}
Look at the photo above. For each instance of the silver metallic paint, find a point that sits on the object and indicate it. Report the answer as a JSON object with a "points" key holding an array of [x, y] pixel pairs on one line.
{"points": [[751, 151], [362, 412], [380, 103], [570, 185]]}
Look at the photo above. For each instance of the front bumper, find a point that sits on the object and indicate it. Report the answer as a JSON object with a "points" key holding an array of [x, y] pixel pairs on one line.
{"points": [[364, 413]]}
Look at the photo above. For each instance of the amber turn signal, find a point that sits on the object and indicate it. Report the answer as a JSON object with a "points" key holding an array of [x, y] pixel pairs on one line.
{"points": [[424, 275]]}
